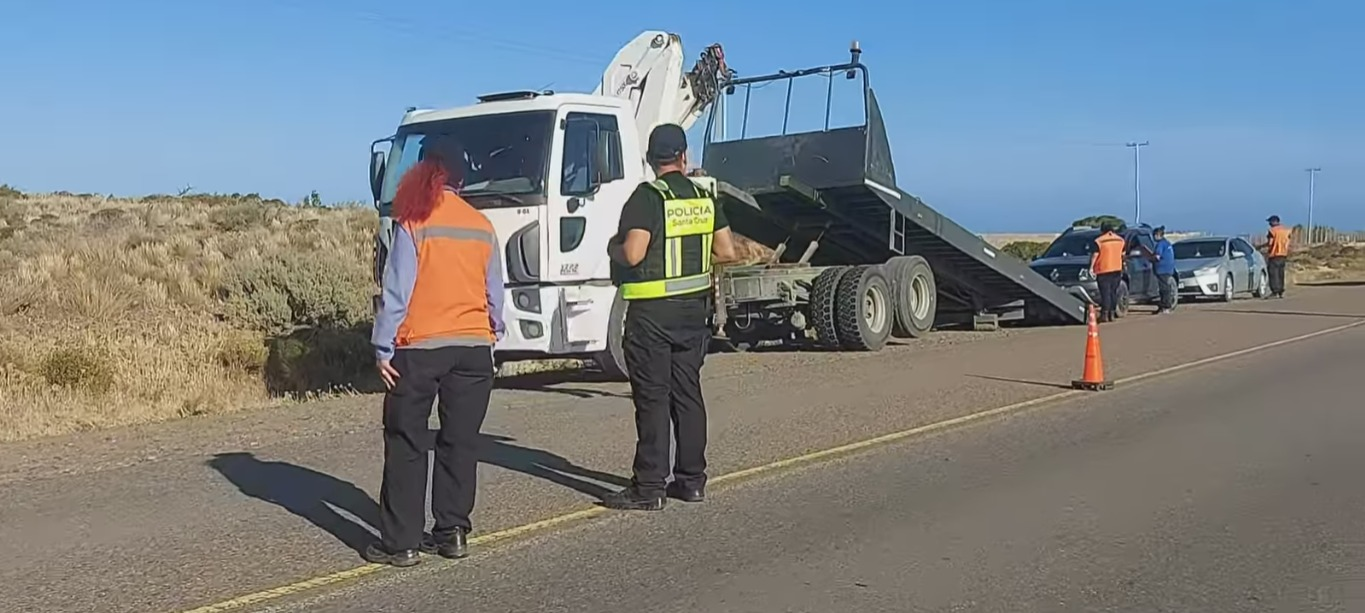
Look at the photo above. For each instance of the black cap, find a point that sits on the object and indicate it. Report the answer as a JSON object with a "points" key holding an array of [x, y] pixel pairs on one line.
{"points": [[666, 142], [1159, 230], [1273, 219]]}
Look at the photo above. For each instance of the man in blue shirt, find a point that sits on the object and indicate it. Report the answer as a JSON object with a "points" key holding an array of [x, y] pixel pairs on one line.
{"points": [[1165, 270]]}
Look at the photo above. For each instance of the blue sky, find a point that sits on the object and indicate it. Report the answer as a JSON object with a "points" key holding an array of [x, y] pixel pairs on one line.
{"points": [[1005, 115]]}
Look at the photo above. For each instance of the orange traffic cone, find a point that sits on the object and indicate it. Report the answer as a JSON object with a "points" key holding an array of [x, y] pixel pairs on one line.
{"points": [[1093, 376]]}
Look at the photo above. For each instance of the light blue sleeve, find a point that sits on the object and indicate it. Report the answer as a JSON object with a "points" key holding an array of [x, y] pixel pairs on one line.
{"points": [[494, 292], [400, 276]]}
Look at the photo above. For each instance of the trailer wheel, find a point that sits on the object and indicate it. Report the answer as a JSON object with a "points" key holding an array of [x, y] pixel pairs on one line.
{"points": [[916, 295], [823, 301], [864, 309], [612, 361]]}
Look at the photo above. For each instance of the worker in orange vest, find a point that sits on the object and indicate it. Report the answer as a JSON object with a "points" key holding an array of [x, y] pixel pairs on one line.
{"points": [[1107, 266], [1277, 254], [438, 319]]}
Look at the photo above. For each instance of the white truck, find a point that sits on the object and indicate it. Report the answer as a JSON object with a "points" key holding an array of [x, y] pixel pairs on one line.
{"points": [[552, 171], [855, 259]]}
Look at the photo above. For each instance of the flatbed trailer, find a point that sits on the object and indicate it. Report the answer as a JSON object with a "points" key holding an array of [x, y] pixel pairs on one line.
{"points": [[856, 259]]}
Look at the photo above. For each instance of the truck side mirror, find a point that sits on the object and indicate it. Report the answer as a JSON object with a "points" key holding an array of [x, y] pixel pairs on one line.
{"points": [[377, 167]]}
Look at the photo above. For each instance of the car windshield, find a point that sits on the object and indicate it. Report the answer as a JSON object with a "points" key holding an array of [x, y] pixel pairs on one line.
{"points": [[506, 156], [1193, 250], [1080, 243]]}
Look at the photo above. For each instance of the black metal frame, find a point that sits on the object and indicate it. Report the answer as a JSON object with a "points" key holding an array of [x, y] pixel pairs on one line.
{"points": [[808, 184]]}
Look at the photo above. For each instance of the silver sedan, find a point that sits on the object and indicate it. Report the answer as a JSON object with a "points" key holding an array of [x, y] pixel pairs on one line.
{"points": [[1220, 267]]}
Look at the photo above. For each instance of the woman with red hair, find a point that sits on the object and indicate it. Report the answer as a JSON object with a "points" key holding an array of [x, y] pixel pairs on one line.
{"points": [[440, 314]]}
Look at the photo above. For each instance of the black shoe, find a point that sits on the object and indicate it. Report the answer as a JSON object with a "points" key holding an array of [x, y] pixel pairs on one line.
{"points": [[454, 546], [632, 499], [686, 494], [377, 554]]}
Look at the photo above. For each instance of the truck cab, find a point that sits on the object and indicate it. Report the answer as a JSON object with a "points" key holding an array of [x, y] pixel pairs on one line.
{"points": [[551, 173]]}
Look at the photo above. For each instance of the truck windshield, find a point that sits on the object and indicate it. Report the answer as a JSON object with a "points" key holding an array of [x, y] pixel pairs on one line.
{"points": [[507, 156], [1072, 245], [1193, 250]]}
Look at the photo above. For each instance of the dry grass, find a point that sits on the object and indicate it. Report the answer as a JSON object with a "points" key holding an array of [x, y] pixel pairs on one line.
{"points": [[117, 311], [1328, 262]]}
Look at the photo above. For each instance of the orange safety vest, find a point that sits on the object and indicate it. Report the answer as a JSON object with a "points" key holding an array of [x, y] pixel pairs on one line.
{"points": [[1279, 241], [449, 301], [1109, 255]]}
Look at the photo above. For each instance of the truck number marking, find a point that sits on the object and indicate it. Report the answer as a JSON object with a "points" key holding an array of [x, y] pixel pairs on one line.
{"points": [[568, 269]]}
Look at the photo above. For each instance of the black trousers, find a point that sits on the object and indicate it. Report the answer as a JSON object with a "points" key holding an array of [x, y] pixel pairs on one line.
{"points": [[665, 345], [1275, 266], [1170, 290], [1109, 293], [459, 380]]}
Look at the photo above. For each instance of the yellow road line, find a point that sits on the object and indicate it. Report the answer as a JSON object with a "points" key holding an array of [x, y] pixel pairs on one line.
{"points": [[808, 458]]}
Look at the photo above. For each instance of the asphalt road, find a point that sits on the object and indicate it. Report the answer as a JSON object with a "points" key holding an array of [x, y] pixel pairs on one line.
{"points": [[1231, 488], [173, 516]]}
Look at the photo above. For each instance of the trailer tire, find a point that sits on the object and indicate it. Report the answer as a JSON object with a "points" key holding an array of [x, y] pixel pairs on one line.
{"points": [[916, 295], [612, 361], [864, 309], [824, 293]]}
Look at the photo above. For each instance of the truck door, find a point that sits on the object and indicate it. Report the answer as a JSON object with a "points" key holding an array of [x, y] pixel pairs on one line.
{"points": [[1141, 279], [592, 184]]}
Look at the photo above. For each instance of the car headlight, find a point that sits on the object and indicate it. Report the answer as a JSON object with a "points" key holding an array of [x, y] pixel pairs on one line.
{"points": [[1206, 271], [1084, 275]]}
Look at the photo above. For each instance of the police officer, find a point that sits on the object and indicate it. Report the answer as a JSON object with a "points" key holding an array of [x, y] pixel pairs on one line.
{"points": [[439, 316], [1277, 254], [1107, 266], [662, 255]]}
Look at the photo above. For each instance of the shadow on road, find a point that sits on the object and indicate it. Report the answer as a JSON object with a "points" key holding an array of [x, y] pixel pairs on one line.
{"points": [[1293, 313], [317, 496], [304, 492], [1023, 381], [1337, 283], [545, 465], [562, 382]]}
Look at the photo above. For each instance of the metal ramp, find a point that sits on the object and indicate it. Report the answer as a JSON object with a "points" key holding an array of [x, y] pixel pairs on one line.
{"points": [[838, 187]]}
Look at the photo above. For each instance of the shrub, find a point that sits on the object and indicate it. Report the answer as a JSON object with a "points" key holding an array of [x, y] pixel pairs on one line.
{"points": [[1025, 250], [245, 353], [78, 368], [280, 293]]}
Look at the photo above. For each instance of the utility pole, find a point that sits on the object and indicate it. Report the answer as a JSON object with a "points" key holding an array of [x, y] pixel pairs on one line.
{"points": [[1312, 174], [1137, 179]]}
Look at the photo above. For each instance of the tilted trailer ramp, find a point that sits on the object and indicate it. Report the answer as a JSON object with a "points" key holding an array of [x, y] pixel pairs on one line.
{"points": [[828, 198]]}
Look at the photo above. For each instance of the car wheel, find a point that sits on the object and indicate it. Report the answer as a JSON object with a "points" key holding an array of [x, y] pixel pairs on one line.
{"points": [[1228, 291], [1123, 302], [1262, 285]]}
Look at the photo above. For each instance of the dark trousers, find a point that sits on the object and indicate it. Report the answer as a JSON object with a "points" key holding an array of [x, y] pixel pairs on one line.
{"points": [[1109, 293], [665, 344], [1169, 290], [1275, 266], [461, 378]]}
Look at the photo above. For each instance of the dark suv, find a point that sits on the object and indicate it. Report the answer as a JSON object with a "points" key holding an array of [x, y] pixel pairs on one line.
{"points": [[1066, 262]]}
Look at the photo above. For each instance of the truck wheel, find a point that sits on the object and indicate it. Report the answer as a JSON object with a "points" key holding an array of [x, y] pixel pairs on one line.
{"points": [[915, 294], [612, 361], [864, 309], [823, 297]]}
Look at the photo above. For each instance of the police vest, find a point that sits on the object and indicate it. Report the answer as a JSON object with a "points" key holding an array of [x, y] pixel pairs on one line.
{"points": [[679, 262]]}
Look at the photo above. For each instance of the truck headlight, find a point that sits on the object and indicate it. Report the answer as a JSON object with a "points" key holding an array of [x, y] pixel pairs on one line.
{"points": [[1085, 274]]}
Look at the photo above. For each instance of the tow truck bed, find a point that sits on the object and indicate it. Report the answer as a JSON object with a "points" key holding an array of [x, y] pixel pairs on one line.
{"points": [[838, 187]]}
